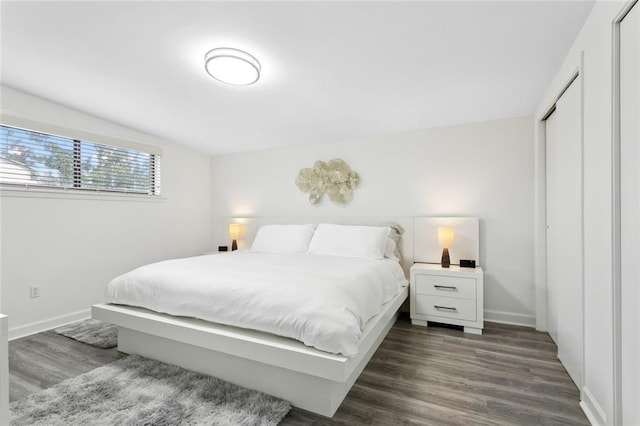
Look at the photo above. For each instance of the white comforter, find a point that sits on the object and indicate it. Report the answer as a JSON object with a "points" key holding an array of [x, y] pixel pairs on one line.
{"points": [[323, 301]]}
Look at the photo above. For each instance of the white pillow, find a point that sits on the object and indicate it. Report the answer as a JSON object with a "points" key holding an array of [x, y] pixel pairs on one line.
{"points": [[349, 241], [390, 250], [283, 239], [395, 233]]}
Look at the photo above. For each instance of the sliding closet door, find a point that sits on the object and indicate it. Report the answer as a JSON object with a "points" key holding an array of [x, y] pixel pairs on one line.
{"points": [[564, 227], [630, 214], [553, 264]]}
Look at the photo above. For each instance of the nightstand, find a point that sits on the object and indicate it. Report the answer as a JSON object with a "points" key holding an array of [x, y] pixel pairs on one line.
{"points": [[451, 295]]}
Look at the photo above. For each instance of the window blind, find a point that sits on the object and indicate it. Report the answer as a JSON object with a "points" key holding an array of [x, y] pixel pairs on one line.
{"points": [[36, 159]]}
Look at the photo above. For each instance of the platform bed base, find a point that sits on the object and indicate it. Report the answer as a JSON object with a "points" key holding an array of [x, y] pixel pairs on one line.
{"points": [[310, 379]]}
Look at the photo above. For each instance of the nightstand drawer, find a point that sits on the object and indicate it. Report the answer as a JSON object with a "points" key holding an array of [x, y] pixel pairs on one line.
{"points": [[446, 307], [438, 285]]}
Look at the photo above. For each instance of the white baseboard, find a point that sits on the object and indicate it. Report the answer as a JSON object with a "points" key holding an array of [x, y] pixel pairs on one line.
{"points": [[48, 324], [509, 318], [594, 412]]}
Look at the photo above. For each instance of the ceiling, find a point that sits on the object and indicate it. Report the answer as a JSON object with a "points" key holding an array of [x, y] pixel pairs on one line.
{"points": [[330, 70]]}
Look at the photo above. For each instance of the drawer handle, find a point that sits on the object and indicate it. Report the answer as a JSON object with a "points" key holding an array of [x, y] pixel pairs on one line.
{"points": [[446, 308], [445, 287]]}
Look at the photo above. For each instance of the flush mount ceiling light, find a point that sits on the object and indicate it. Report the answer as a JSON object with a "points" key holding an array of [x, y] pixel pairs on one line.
{"points": [[232, 66]]}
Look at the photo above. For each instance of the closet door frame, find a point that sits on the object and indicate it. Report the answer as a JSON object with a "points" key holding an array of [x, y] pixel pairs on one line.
{"points": [[617, 210], [540, 214], [565, 229]]}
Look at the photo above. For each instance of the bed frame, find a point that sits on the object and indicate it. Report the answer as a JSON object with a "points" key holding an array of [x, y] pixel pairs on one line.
{"points": [[308, 378], [311, 379]]}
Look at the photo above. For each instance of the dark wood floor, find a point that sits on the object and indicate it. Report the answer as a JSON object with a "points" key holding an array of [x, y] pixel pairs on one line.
{"points": [[39, 361], [434, 376]]}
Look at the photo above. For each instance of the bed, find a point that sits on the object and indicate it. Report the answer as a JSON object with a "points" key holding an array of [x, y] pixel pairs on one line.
{"points": [[313, 378]]}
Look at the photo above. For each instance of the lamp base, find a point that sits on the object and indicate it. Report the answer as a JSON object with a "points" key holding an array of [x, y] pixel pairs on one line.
{"points": [[445, 262], [234, 245]]}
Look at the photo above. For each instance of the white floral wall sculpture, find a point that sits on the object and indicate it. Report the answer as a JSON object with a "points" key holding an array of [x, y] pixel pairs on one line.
{"points": [[334, 178]]}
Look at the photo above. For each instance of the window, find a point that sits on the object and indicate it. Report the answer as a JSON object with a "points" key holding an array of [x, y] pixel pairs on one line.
{"points": [[34, 159]]}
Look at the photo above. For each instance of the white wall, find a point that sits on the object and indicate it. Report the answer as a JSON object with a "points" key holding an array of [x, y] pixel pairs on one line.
{"points": [[71, 247], [593, 46], [481, 169]]}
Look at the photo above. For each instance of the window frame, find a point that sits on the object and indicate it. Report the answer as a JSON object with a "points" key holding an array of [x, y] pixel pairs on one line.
{"points": [[76, 190]]}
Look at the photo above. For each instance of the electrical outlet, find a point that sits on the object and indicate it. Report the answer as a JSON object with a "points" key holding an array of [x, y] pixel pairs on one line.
{"points": [[34, 291]]}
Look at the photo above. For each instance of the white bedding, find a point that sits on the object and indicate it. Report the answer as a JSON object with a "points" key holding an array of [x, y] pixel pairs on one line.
{"points": [[323, 301]]}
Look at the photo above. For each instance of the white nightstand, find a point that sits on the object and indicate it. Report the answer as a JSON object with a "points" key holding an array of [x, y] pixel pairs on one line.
{"points": [[447, 295]]}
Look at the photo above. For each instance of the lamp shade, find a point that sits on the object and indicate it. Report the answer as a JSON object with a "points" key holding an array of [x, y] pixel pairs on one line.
{"points": [[234, 231], [445, 236]]}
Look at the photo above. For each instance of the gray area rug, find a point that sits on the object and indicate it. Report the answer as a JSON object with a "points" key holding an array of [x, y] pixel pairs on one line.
{"points": [[140, 391], [92, 332]]}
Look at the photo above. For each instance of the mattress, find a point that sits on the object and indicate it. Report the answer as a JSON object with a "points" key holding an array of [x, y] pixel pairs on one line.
{"points": [[322, 301]]}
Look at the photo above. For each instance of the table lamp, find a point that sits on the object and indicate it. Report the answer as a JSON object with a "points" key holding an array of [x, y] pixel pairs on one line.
{"points": [[445, 239], [234, 234]]}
